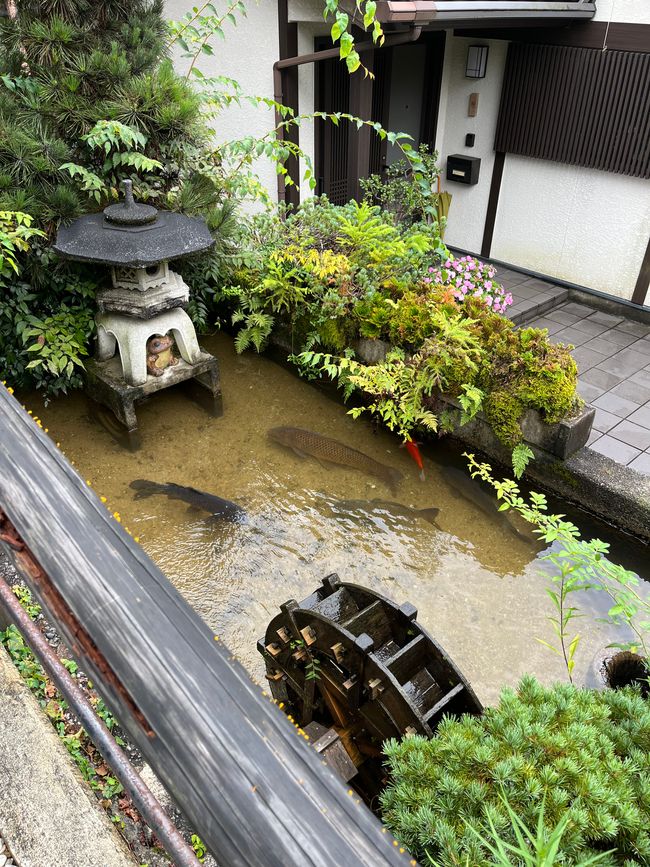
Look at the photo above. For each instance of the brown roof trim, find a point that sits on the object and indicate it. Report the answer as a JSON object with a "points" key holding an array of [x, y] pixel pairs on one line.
{"points": [[579, 34], [448, 13]]}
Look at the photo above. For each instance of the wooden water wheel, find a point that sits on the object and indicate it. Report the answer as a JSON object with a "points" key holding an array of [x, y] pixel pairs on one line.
{"points": [[352, 667]]}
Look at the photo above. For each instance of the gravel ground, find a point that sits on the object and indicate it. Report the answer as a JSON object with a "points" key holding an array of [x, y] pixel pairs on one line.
{"points": [[140, 839]]}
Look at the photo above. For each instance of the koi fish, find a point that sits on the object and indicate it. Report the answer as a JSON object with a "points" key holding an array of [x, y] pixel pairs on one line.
{"points": [[393, 510], [216, 506], [306, 442], [412, 448]]}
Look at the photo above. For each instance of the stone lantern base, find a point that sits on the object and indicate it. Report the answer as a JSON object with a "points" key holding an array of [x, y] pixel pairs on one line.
{"points": [[106, 387]]}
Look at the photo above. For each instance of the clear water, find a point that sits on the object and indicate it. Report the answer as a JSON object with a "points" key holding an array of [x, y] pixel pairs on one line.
{"points": [[477, 586]]}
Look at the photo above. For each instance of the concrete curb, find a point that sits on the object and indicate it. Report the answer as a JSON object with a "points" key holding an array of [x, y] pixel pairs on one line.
{"points": [[48, 816], [611, 491]]}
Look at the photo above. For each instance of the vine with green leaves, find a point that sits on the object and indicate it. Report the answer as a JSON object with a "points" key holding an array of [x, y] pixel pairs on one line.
{"points": [[579, 565]]}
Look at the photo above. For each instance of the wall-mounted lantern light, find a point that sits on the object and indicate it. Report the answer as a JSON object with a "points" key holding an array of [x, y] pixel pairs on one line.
{"points": [[476, 61]]}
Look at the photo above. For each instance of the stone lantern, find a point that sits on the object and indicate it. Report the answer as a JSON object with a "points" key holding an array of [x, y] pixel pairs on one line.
{"points": [[143, 307]]}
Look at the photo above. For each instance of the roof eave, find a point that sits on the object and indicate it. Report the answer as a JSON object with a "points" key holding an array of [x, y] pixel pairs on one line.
{"points": [[449, 13]]}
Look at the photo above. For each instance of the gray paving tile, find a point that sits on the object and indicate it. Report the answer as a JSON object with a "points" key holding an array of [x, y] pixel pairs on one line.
{"points": [[615, 449], [593, 436], [585, 358], [571, 334], [600, 344], [642, 378], [508, 282], [593, 329], [634, 391], [550, 325], [604, 421], [615, 404], [632, 434], [602, 378], [605, 318], [524, 291], [619, 337], [589, 392], [642, 346], [559, 314], [641, 464], [637, 328], [641, 416], [579, 309], [536, 283], [526, 303], [625, 363]]}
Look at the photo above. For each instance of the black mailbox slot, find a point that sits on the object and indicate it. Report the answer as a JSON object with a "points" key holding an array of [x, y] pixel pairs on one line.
{"points": [[463, 169]]}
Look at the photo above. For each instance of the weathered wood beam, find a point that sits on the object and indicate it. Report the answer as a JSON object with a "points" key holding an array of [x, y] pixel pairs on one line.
{"points": [[247, 780]]}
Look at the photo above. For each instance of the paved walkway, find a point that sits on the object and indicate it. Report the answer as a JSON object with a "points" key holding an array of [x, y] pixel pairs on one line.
{"points": [[613, 356]]}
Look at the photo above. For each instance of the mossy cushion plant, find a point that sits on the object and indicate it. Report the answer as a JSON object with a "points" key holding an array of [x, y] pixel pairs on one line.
{"points": [[574, 752]]}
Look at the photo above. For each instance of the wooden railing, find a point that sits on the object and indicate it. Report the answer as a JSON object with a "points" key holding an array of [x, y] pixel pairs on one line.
{"points": [[249, 784]]}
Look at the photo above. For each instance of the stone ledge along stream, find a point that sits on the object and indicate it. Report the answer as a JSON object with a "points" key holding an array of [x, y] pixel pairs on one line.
{"points": [[478, 585]]}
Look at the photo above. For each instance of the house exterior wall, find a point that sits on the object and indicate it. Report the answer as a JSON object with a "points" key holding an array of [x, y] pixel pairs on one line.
{"points": [[469, 204], [247, 55], [575, 224], [580, 225]]}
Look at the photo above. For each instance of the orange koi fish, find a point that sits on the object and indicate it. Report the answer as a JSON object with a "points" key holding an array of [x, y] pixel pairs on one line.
{"points": [[412, 448]]}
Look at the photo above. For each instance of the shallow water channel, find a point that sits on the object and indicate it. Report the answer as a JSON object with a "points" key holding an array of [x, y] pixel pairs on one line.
{"points": [[477, 585]]}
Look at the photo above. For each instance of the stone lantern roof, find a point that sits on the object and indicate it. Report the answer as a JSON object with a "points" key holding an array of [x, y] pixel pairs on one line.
{"points": [[132, 235]]}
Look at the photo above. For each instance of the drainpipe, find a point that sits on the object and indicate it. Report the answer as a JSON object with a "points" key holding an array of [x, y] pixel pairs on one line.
{"points": [[411, 35]]}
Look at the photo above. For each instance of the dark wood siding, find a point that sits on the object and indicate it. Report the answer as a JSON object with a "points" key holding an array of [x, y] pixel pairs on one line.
{"points": [[577, 106], [333, 96]]}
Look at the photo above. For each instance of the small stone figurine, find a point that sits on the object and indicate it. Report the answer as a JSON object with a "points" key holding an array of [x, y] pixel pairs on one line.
{"points": [[159, 354]]}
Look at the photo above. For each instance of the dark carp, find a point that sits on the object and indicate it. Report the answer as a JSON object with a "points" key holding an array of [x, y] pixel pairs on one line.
{"points": [[306, 442], [463, 484], [394, 510], [215, 506]]}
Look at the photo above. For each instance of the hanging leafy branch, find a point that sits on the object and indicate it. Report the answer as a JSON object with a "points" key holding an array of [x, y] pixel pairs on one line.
{"points": [[275, 145], [365, 16], [193, 34]]}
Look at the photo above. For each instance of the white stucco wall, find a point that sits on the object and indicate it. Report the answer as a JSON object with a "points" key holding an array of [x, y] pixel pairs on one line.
{"points": [[581, 225], [307, 33], [469, 203], [628, 11], [247, 55]]}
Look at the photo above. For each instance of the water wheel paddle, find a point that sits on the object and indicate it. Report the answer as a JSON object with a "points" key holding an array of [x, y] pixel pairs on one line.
{"points": [[353, 668]]}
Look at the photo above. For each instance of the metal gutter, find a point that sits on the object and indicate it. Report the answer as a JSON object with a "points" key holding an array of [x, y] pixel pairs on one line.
{"points": [[411, 35]]}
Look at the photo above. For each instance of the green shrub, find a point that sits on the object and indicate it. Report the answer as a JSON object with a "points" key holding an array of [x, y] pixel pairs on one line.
{"points": [[330, 274], [580, 753]]}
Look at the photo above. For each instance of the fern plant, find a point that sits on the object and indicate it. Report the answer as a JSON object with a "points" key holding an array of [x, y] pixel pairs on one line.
{"points": [[396, 388], [256, 326]]}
